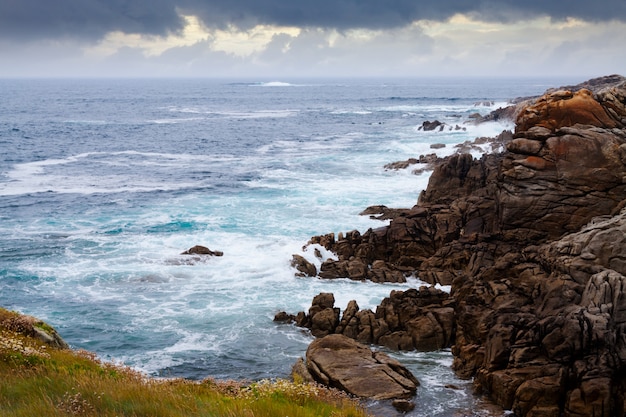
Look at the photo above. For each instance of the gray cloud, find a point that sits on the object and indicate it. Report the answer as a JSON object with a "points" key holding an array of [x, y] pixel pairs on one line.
{"points": [[91, 19]]}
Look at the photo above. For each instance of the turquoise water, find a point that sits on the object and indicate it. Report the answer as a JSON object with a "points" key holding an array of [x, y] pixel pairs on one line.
{"points": [[103, 183]]}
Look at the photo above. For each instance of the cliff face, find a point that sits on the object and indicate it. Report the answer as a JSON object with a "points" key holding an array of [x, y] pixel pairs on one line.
{"points": [[540, 309], [533, 242]]}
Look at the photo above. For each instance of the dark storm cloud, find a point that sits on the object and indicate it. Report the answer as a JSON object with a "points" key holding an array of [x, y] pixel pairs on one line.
{"points": [[91, 19], [87, 19]]}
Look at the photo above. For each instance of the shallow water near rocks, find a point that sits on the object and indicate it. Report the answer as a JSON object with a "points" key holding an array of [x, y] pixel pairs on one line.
{"points": [[103, 183]]}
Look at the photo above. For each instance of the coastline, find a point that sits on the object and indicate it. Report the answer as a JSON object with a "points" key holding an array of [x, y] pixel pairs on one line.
{"points": [[521, 237], [441, 274]]}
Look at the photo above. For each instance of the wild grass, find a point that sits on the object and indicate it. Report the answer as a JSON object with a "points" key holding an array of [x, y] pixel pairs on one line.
{"points": [[39, 380]]}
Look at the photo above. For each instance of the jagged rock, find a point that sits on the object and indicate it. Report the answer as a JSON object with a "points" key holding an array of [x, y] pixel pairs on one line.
{"points": [[304, 267], [323, 317], [284, 317], [401, 164], [428, 159], [428, 125], [382, 212], [421, 319], [340, 362]]}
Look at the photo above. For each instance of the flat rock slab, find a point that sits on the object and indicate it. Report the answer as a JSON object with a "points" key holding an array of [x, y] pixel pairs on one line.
{"points": [[343, 363]]}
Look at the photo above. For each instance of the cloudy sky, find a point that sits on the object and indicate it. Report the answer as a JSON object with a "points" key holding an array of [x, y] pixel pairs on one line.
{"points": [[310, 38]]}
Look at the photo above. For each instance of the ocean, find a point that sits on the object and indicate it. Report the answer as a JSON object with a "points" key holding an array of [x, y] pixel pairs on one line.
{"points": [[103, 183]]}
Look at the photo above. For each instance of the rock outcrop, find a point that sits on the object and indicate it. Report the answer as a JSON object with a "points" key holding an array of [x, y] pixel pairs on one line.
{"points": [[416, 319], [340, 362], [511, 112], [31, 327], [533, 243], [565, 108]]}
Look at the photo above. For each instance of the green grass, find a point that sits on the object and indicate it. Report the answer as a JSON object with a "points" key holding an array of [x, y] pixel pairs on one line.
{"points": [[38, 380]]}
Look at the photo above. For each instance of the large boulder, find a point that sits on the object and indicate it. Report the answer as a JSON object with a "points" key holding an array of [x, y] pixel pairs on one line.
{"points": [[340, 362]]}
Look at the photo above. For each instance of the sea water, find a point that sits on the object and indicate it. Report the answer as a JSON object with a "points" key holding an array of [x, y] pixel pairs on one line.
{"points": [[103, 183]]}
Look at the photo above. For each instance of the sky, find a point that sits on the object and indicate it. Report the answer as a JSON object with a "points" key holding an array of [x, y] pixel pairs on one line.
{"points": [[283, 39]]}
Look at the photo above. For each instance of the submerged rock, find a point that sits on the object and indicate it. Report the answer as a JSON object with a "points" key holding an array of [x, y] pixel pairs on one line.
{"points": [[202, 250]]}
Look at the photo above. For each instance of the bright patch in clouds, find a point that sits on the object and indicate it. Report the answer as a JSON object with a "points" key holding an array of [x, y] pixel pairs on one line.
{"points": [[231, 41], [192, 33], [248, 42]]}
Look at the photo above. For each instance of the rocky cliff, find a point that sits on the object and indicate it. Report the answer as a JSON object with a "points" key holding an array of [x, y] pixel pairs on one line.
{"points": [[533, 243]]}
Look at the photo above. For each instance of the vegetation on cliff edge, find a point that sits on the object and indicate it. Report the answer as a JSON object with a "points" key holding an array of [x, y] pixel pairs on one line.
{"points": [[39, 380]]}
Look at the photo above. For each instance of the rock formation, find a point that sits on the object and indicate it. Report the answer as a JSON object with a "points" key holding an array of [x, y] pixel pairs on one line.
{"points": [[417, 319], [533, 242], [340, 362]]}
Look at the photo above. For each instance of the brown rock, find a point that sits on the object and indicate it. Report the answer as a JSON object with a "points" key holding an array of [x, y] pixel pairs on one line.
{"points": [[283, 317], [342, 363], [324, 322], [564, 108], [525, 146], [404, 406], [202, 250], [428, 125], [304, 267]]}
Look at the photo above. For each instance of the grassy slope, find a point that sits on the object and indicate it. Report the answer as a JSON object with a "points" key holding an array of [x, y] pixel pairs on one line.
{"points": [[39, 380]]}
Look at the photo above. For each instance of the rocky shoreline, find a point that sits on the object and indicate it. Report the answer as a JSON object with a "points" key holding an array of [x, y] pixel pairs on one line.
{"points": [[532, 242]]}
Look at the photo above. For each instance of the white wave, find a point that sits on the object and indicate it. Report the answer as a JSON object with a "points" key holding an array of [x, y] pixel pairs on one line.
{"points": [[80, 173], [87, 122], [186, 110], [444, 288], [489, 129], [88, 185], [175, 121], [274, 84], [227, 114], [260, 114], [194, 342], [491, 105], [357, 112]]}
